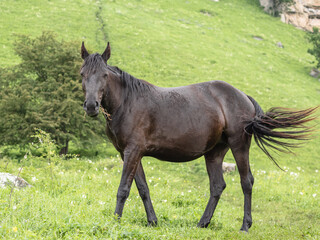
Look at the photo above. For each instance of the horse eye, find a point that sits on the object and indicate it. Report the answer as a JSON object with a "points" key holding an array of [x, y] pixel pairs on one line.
{"points": [[105, 75]]}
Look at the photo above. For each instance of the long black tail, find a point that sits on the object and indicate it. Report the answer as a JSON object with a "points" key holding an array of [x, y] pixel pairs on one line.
{"points": [[263, 126]]}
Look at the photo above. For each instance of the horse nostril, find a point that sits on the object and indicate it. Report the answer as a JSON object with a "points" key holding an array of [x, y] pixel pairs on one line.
{"points": [[85, 105], [97, 105]]}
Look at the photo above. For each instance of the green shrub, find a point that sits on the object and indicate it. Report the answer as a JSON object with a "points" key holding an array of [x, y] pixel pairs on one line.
{"points": [[44, 91], [314, 39]]}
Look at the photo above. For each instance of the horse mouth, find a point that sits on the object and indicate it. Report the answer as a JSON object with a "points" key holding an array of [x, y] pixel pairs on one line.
{"points": [[93, 114]]}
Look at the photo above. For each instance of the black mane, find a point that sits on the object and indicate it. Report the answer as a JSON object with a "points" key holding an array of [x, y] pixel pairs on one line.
{"points": [[95, 62], [131, 83]]}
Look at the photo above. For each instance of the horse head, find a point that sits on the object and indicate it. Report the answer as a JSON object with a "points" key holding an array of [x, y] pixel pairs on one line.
{"points": [[94, 78]]}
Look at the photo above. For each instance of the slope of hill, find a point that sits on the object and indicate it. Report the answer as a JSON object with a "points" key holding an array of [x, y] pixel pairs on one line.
{"points": [[178, 43]]}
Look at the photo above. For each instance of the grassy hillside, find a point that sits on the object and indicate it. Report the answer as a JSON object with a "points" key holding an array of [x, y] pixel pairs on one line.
{"points": [[172, 43]]}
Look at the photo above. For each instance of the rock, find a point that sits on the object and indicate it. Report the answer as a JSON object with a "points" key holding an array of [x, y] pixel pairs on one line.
{"points": [[279, 44], [268, 6], [7, 179], [315, 73], [228, 167], [257, 38], [303, 14]]}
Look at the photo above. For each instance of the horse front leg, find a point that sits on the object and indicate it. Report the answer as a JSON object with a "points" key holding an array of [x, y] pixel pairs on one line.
{"points": [[214, 160], [131, 160], [142, 186]]}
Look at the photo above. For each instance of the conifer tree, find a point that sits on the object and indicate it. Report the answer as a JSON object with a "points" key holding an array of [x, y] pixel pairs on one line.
{"points": [[44, 91]]}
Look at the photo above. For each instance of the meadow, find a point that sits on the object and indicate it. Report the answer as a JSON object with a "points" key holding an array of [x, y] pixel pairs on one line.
{"points": [[168, 43]]}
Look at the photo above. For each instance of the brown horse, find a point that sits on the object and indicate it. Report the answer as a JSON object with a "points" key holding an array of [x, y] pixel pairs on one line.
{"points": [[181, 124]]}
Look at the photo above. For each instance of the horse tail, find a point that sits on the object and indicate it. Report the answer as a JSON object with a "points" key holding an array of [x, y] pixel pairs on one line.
{"points": [[290, 122]]}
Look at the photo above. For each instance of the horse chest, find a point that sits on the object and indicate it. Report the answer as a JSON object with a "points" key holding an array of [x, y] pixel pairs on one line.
{"points": [[112, 136]]}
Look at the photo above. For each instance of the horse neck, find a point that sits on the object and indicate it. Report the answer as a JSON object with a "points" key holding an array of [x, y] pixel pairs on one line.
{"points": [[114, 96], [123, 89]]}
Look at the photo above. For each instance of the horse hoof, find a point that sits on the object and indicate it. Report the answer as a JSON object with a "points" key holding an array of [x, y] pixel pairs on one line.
{"points": [[243, 230], [152, 223], [202, 225]]}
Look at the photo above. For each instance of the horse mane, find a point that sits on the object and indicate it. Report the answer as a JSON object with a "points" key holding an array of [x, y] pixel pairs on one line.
{"points": [[94, 62], [129, 82]]}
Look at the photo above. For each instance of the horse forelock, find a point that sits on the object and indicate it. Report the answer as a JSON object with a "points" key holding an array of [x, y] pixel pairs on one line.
{"points": [[93, 63]]}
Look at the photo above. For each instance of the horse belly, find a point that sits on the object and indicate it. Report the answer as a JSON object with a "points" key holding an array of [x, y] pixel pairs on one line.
{"points": [[178, 143], [174, 155]]}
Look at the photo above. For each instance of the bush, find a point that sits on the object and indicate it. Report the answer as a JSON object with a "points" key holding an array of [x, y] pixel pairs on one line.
{"points": [[314, 39], [44, 91]]}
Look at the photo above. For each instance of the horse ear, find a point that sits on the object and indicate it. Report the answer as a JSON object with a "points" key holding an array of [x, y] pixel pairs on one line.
{"points": [[106, 54], [84, 52]]}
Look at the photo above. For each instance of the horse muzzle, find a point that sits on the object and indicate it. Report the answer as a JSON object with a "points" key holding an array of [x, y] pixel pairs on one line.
{"points": [[91, 108]]}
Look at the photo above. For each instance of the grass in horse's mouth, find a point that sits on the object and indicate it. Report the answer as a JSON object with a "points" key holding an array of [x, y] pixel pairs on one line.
{"points": [[106, 114]]}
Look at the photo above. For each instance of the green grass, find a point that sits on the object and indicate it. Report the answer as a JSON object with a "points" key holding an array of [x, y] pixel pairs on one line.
{"points": [[80, 201], [171, 43]]}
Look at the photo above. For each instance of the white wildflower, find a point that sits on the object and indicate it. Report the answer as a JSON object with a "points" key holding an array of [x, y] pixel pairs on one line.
{"points": [[84, 196], [34, 179], [294, 174], [314, 195], [14, 207]]}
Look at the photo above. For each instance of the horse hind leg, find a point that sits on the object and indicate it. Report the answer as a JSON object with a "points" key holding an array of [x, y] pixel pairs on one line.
{"points": [[240, 151], [214, 160]]}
